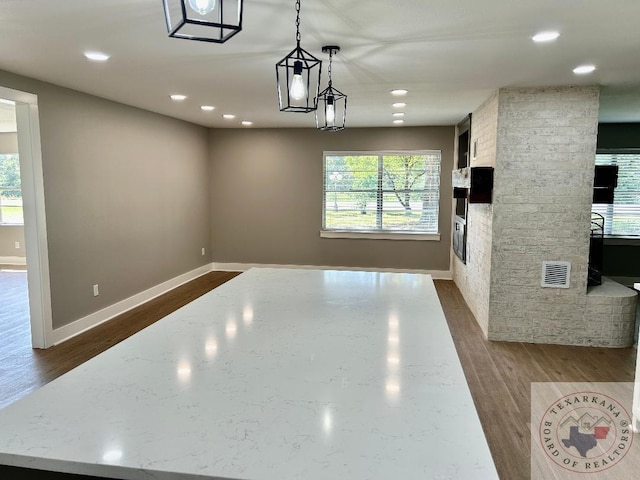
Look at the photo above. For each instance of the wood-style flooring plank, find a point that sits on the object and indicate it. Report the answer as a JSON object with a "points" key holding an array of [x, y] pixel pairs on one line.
{"points": [[500, 376], [23, 369]]}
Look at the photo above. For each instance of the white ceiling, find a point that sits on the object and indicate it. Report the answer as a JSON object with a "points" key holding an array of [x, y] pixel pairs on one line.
{"points": [[450, 54]]}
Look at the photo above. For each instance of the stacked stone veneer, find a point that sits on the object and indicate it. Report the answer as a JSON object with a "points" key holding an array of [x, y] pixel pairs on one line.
{"points": [[610, 314], [636, 395], [473, 279], [544, 150]]}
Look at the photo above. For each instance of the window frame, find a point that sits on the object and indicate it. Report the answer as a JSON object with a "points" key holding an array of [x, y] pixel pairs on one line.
{"points": [[611, 237], [374, 233]]}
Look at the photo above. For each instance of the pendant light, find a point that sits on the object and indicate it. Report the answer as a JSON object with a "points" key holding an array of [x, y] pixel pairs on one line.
{"points": [[296, 77], [204, 20], [331, 104]]}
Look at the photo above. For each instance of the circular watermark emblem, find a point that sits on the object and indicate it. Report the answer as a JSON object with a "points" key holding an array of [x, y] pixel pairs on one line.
{"points": [[586, 432]]}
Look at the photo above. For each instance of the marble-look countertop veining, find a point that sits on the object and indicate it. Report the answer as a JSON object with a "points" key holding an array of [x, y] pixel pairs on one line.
{"points": [[279, 374]]}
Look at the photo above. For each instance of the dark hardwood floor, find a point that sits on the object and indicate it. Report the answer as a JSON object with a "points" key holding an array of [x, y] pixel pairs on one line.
{"points": [[499, 374]]}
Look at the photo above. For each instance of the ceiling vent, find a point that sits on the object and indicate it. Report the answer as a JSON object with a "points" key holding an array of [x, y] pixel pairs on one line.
{"points": [[556, 274]]}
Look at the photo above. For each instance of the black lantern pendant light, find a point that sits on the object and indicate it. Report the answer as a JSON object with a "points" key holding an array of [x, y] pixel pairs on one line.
{"points": [[204, 20], [298, 82], [331, 104]]}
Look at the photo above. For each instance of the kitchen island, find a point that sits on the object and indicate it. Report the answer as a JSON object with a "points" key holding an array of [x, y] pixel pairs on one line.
{"points": [[279, 374]]}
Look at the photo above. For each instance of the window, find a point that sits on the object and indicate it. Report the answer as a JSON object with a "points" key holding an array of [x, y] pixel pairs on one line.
{"points": [[392, 194], [623, 217], [10, 190]]}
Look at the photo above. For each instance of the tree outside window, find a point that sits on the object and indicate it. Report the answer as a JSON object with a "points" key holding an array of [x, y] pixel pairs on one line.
{"points": [[382, 191]]}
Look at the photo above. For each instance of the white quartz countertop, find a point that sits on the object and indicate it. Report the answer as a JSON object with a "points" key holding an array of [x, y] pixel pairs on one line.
{"points": [[279, 374]]}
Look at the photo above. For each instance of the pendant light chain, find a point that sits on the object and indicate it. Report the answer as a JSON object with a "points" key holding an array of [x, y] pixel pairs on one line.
{"points": [[298, 22], [330, 58], [298, 76]]}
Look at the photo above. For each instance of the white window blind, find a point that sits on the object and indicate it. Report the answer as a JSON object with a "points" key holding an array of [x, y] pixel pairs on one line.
{"points": [[381, 191], [622, 218]]}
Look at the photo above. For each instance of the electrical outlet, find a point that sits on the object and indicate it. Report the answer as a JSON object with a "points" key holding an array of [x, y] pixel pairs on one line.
{"points": [[17, 245], [202, 250], [96, 291]]}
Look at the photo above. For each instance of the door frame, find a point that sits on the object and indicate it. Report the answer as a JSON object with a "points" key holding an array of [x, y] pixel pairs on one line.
{"points": [[35, 224]]}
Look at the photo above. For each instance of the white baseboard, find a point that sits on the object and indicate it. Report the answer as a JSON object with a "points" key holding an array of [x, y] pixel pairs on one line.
{"points": [[13, 260], [83, 324], [241, 267]]}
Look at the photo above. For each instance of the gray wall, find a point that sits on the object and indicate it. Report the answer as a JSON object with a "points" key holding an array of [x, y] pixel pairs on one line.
{"points": [[9, 235], [267, 197], [127, 197]]}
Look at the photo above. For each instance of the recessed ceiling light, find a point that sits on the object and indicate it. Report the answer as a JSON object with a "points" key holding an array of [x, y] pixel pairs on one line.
{"points": [[8, 102], [584, 69], [545, 36], [399, 91], [247, 123], [207, 108], [398, 122], [399, 105], [228, 116], [97, 56], [178, 97], [398, 114]]}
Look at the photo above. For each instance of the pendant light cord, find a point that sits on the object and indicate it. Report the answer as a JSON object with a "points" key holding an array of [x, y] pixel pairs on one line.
{"points": [[330, 58], [298, 22]]}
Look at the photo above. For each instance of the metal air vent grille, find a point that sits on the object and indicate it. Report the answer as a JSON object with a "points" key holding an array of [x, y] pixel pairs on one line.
{"points": [[556, 274]]}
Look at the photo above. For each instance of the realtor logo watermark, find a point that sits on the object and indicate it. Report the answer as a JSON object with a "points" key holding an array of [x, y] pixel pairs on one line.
{"points": [[581, 431]]}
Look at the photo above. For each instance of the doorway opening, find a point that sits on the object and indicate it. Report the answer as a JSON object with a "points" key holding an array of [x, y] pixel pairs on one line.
{"points": [[29, 201]]}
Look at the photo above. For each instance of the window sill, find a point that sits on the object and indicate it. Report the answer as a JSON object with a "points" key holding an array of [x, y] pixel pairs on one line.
{"points": [[6, 224], [380, 235]]}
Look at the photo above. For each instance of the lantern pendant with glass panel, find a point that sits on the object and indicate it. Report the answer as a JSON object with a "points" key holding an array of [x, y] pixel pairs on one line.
{"points": [[204, 20], [331, 104], [298, 77]]}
